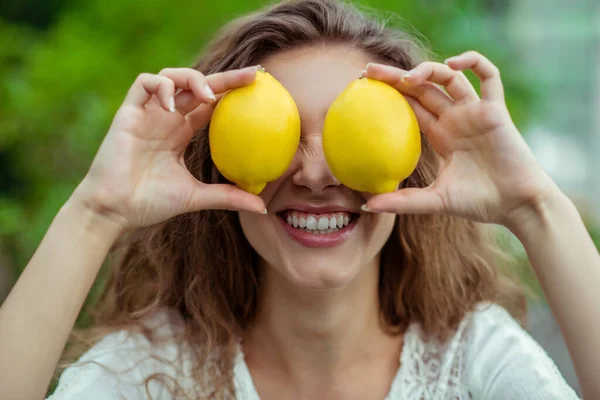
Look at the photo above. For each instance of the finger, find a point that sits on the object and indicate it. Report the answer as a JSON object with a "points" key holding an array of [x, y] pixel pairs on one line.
{"points": [[425, 118], [146, 85], [428, 94], [456, 83], [200, 116], [486, 71], [187, 100], [426, 121], [225, 197], [224, 81], [407, 201], [191, 80]]}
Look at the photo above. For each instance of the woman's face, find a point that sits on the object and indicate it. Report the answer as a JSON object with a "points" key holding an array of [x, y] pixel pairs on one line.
{"points": [[308, 195]]}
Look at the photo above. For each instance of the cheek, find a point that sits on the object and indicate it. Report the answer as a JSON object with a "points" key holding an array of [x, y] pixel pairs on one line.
{"points": [[260, 233], [272, 187], [269, 191], [252, 228], [380, 228], [384, 223]]}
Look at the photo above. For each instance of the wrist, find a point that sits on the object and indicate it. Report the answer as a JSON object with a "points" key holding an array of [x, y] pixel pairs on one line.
{"points": [[92, 216], [533, 219]]}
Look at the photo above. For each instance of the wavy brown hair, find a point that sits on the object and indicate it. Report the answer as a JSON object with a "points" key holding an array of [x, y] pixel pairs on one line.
{"points": [[434, 268]]}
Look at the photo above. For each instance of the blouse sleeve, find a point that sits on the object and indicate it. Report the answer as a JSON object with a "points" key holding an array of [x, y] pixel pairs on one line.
{"points": [[114, 368], [504, 362]]}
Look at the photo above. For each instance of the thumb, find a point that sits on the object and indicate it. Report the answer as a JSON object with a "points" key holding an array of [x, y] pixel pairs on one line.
{"points": [[225, 197], [407, 201]]}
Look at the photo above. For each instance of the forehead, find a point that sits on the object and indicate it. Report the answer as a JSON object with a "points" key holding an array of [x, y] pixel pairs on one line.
{"points": [[315, 76]]}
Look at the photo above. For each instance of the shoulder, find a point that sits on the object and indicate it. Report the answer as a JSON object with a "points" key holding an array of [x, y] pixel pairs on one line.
{"points": [[119, 364], [483, 326], [490, 323], [490, 356], [491, 333], [503, 361]]}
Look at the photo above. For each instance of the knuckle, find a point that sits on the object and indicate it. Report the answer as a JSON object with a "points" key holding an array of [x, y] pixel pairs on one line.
{"points": [[165, 71], [453, 76], [144, 76], [493, 113], [229, 196], [192, 71], [428, 66], [494, 70], [229, 191], [166, 86], [167, 81]]}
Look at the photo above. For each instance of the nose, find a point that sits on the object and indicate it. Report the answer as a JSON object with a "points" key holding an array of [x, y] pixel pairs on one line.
{"points": [[313, 172]]}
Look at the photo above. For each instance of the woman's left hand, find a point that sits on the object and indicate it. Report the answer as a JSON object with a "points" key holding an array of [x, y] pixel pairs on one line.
{"points": [[487, 171]]}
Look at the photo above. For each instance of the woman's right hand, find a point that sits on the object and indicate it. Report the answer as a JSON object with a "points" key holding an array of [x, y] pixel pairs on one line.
{"points": [[138, 177]]}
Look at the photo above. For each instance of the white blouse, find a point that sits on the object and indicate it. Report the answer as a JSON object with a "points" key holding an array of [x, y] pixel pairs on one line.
{"points": [[489, 357]]}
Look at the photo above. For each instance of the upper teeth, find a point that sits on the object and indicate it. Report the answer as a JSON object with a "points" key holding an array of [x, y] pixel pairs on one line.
{"points": [[318, 222]]}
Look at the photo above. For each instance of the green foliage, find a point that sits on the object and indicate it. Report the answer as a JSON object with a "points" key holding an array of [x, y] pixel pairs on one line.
{"points": [[452, 27]]}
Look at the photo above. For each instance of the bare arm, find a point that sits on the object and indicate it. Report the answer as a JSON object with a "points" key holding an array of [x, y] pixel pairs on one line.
{"points": [[567, 265], [39, 313], [121, 191]]}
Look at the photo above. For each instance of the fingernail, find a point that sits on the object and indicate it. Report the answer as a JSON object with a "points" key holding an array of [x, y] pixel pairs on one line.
{"points": [[264, 211], [172, 104], [447, 60], [251, 68], [208, 91], [365, 208], [366, 70]]}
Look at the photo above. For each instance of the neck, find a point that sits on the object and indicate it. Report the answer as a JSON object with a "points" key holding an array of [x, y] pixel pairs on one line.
{"points": [[319, 335]]}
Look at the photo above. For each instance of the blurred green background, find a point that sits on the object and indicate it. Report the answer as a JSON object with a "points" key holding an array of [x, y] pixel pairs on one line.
{"points": [[65, 67]]}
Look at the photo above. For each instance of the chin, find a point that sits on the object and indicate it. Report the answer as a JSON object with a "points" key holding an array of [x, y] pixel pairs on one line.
{"points": [[321, 271]]}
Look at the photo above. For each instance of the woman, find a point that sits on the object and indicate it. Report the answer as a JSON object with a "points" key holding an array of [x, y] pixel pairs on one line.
{"points": [[209, 296]]}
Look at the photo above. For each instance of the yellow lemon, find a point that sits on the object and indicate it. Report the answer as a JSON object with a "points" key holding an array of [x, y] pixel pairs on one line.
{"points": [[254, 133], [371, 137]]}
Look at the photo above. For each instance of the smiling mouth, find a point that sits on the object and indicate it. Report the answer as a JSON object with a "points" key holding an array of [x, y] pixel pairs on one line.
{"points": [[318, 224]]}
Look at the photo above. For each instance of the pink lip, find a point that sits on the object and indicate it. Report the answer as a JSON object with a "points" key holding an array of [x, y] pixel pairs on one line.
{"points": [[319, 240]]}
